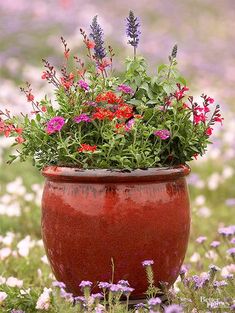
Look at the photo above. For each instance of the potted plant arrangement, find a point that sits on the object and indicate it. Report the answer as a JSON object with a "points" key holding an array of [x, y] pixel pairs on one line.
{"points": [[113, 151]]}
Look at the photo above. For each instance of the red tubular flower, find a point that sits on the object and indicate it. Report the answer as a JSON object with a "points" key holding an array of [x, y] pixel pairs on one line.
{"points": [[208, 131], [89, 44], [19, 139], [19, 130], [86, 147], [30, 97]]}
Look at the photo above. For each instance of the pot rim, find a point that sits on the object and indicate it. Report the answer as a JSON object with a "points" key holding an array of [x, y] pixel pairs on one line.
{"points": [[61, 173]]}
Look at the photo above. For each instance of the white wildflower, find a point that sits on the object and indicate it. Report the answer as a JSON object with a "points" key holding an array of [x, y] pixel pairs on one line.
{"points": [[3, 296], [44, 300], [14, 282]]}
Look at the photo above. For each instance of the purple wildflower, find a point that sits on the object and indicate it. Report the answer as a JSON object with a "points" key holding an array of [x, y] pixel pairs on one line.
{"points": [[201, 239], [200, 281], [104, 285], [125, 89], [228, 276], [230, 202], [97, 36], [233, 241], [231, 252], [124, 283], [183, 269], [127, 290], [154, 302], [174, 308], [82, 118], [214, 268], [55, 124], [227, 231], [162, 134], [66, 295], [218, 284], [139, 306], [215, 244], [17, 311], [215, 304], [129, 124], [116, 288], [147, 263], [58, 284], [85, 283], [97, 295], [79, 299], [82, 84], [132, 30]]}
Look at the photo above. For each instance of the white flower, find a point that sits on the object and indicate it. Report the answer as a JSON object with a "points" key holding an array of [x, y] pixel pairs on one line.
{"points": [[24, 245], [2, 280], [44, 300], [204, 212], [200, 200], [229, 269], [3, 296], [44, 259], [8, 239], [227, 172], [14, 282], [4, 253], [213, 181], [195, 257], [212, 255]]}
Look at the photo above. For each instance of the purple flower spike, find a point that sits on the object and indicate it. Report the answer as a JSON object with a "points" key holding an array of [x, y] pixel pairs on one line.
{"points": [[162, 134], [132, 29], [215, 244], [125, 89], [82, 118], [85, 283], [147, 263], [97, 36], [201, 239], [55, 125], [231, 252], [82, 84], [174, 308]]}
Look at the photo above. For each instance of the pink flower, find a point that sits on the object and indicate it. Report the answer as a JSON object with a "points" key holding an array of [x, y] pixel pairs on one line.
{"points": [[55, 124], [125, 89], [82, 118], [163, 134], [82, 84], [209, 131]]}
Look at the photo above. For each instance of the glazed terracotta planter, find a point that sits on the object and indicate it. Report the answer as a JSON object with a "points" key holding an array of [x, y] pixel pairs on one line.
{"points": [[91, 217]]}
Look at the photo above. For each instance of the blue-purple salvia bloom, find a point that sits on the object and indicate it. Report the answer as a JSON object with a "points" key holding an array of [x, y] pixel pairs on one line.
{"points": [[97, 36], [132, 30]]}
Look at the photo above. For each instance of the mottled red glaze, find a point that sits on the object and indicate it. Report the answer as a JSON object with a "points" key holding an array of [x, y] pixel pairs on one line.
{"points": [[92, 216]]}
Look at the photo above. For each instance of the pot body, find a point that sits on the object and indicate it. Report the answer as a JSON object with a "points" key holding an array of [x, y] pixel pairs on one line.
{"points": [[92, 219]]}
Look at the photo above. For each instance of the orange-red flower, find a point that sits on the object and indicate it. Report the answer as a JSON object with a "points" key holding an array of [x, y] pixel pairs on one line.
{"points": [[86, 147]]}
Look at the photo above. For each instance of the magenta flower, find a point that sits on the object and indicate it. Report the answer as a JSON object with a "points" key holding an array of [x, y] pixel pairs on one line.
{"points": [[162, 134], [82, 84], [125, 89], [55, 124], [147, 263], [129, 125], [82, 118]]}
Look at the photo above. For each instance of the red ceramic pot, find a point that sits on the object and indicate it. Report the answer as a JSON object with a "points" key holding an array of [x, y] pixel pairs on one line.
{"points": [[91, 217]]}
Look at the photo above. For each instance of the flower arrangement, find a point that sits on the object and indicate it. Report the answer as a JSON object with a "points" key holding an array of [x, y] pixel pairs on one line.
{"points": [[105, 121]]}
